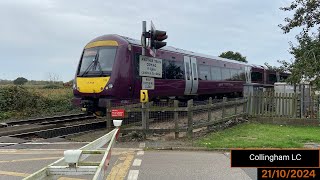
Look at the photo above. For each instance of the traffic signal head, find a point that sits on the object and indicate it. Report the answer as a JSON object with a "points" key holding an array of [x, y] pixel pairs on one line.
{"points": [[157, 37]]}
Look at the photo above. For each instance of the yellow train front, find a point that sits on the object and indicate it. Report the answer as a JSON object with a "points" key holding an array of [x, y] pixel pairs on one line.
{"points": [[104, 72]]}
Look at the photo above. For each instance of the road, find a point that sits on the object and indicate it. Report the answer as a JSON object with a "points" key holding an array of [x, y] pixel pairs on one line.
{"points": [[19, 160]]}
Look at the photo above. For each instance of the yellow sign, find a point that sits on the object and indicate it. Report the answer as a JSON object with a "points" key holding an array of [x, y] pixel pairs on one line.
{"points": [[144, 96]]}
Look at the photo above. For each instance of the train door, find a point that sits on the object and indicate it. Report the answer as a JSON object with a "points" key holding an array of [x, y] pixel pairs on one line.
{"points": [[191, 75]]}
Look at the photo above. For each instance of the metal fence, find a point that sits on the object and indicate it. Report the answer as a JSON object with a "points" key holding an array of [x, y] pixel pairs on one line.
{"points": [[179, 118]]}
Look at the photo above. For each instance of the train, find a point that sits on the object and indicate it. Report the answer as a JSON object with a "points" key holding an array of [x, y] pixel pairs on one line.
{"points": [[108, 69]]}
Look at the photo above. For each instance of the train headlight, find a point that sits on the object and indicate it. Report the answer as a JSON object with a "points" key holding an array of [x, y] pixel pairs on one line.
{"points": [[110, 86]]}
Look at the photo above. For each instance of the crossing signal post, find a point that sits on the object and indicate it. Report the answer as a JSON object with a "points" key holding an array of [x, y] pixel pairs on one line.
{"points": [[157, 37]]}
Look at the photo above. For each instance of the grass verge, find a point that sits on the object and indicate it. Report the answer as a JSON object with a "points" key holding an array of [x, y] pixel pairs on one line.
{"points": [[255, 135]]}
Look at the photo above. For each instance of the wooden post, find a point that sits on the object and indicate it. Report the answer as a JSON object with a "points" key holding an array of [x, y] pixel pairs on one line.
{"points": [[144, 119], [209, 111], [245, 105], [249, 105], [298, 105], [312, 105], [176, 118], [273, 103], [108, 115], [293, 107], [190, 118], [236, 107], [224, 100], [318, 107]]}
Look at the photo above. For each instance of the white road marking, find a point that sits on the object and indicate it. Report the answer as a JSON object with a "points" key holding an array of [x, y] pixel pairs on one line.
{"points": [[136, 162], [142, 145], [140, 153], [133, 175]]}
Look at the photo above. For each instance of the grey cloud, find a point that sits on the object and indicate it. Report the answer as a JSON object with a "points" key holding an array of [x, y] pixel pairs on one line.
{"points": [[48, 35]]}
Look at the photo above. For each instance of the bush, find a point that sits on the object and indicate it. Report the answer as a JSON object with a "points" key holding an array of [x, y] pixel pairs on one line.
{"points": [[52, 86], [17, 101]]}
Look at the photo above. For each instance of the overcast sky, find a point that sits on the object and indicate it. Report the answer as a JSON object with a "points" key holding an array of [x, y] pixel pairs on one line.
{"points": [[39, 37]]}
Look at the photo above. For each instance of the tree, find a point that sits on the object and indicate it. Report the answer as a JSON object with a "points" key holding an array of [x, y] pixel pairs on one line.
{"points": [[20, 81], [306, 15], [233, 55], [305, 66], [274, 68], [53, 78]]}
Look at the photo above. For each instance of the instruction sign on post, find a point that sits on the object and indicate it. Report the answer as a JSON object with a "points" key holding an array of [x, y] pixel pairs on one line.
{"points": [[150, 67], [147, 83], [117, 113]]}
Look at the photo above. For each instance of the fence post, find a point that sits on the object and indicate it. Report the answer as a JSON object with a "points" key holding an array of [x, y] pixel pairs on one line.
{"points": [[224, 100], [108, 115], [209, 111], [176, 118], [236, 107], [318, 102], [248, 109], [144, 119], [190, 118], [299, 105]]}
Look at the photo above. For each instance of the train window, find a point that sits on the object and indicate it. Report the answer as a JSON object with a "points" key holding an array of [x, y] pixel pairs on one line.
{"points": [[283, 78], [106, 58], [226, 75], [188, 71], [272, 78], [87, 58], [136, 64], [242, 76], [204, 72], [234, 75], [97, 60], [216, 73], [164, 65], [256, 76], [173, 70]]}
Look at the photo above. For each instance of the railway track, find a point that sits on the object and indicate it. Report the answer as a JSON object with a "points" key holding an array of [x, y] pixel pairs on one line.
{"points": [[47, 120], [74, 123], [62, 131]]}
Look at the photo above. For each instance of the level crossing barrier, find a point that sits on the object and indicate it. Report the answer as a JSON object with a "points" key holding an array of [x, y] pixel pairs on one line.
{"points": [[73, 164]]}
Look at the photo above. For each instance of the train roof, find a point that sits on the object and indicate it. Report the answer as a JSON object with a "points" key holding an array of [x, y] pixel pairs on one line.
{"points": [[174, 49], [182, 51]]}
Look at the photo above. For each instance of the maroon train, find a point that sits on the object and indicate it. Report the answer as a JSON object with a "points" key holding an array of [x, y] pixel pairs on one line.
{"points": [[109, 69]]}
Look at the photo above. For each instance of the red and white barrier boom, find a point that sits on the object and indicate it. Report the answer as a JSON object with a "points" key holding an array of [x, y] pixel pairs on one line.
{"points": [[73, 164]]}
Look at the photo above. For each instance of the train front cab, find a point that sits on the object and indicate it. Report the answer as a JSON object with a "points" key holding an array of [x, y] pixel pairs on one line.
{"points": [[102, 66]]}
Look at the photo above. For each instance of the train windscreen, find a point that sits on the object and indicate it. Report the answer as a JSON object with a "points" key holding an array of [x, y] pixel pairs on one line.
{"points": [[97, 61]]}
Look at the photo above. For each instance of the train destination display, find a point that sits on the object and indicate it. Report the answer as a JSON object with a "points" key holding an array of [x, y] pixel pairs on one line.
{"points": [[150, 67]]}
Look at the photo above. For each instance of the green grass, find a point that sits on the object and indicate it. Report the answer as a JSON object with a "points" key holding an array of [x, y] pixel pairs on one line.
{"points": [[254, 135]]}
